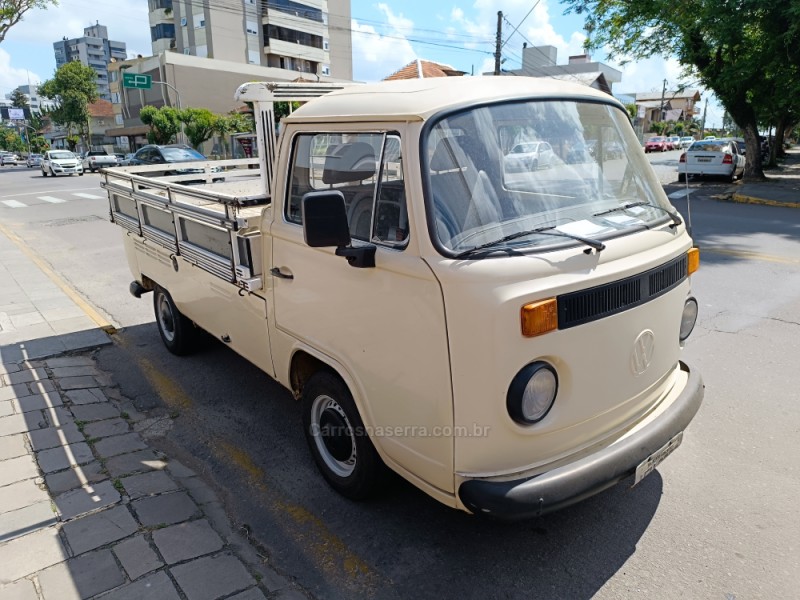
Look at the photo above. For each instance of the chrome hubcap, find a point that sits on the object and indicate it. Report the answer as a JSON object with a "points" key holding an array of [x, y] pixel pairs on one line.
{"points": [[165, 318], [333, 436]]}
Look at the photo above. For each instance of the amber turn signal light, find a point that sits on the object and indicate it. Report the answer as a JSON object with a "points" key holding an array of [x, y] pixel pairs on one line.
{"points": [[694, 260], [539, 317]]}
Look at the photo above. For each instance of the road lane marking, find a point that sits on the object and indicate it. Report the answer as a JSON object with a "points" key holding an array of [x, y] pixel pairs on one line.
{"points": [[751, 255], [90, 311], [51, 199], [14, 204], [48, 192], [89, 196], [679, 194]]}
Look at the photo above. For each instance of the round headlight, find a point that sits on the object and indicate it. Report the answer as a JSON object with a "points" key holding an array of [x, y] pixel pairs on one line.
{"points": [[688, 318], [532, 393]]}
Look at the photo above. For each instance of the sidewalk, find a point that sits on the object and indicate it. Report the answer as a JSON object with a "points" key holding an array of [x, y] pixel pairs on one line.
{"points": [[87, 508], [782, 187]]}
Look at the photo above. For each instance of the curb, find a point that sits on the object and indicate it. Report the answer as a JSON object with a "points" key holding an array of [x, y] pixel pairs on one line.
{"points": [[742, 199]]}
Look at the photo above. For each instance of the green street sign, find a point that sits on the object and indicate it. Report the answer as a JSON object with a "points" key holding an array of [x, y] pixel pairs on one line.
{"points": [[137, 81]]}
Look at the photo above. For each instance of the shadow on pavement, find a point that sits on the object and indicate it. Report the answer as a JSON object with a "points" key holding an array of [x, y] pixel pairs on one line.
{"points": [[232, 423]]}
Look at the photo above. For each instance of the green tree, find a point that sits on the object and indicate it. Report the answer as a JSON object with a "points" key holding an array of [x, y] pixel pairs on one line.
{"points": [[39, 145], [658, 127], [10, 140], [632, 109], [200, 125], [164, 122], [234, 122], [73, 87], [744, 53], [18, 99], [11, 12]]}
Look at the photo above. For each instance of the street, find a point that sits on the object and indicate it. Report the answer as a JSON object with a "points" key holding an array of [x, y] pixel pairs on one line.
{"points": [[716, 520]]}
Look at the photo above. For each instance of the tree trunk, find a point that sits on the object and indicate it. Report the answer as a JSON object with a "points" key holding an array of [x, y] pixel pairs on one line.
{"points": [[780, 131], [753, 170]]}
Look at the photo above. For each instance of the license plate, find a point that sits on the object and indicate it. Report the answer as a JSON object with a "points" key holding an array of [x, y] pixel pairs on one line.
{"points": [[649, 464], [703, 159]]}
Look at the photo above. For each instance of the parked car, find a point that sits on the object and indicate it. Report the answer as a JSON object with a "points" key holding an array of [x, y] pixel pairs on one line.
{"points": [[674, 142], [94, 160], [173, 154], [686, 141], [60, 162], [579, 153], [8, 158], [33, 160], [712, 157], [125, 160], [656, 144], [528, 156]]}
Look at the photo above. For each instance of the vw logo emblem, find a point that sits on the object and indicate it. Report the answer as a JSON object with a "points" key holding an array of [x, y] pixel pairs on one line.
{"points": [[642, 354]]}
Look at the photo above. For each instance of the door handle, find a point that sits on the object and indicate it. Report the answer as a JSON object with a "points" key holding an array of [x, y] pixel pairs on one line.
{"points": [[276, 272]]}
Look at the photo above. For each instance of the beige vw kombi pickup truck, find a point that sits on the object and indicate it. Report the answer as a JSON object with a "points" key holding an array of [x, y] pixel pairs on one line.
{"points": [[504, 333]]}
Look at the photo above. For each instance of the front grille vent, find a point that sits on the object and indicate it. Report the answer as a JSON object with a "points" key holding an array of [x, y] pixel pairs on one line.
{"points": [[577, 308]]}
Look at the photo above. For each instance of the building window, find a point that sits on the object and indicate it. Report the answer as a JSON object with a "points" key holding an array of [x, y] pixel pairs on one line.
{"points": [[325, 70], [297, 9], [187, 51], [253, 57], [326, 45], [183, 21], [162, 31], [252, 28], [201, 51], [199, 21], [285, 34]]}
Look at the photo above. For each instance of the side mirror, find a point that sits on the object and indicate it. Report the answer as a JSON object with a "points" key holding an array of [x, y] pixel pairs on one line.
{"points": [[325, 225], [325, 219]]}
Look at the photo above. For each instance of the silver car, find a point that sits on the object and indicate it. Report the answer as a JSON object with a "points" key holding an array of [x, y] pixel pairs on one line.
{"points": [[528, 156], [8, 158], [33, 160]]}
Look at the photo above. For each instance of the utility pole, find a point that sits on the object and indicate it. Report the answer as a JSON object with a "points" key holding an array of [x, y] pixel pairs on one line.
{"points": [[703, 125], [661, 111], [498, 42]]}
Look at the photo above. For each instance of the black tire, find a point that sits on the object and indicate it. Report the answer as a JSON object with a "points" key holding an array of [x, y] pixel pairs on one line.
{"points": [[44, 173], [336, 436], [81, 173], [535, 165], [177, 332], [681, 177]]}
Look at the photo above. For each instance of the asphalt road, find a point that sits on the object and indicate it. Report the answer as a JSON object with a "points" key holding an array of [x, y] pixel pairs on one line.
{"points": [[718, 519]]}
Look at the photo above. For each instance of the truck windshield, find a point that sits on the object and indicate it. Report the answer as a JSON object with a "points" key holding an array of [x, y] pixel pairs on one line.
{"points": [[488, 178]]}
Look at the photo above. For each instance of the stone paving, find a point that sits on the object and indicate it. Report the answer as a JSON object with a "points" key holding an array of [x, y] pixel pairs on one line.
{"points": [[89, 510]]}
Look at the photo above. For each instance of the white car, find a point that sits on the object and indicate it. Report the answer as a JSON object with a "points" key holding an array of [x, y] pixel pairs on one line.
{"points": [[8, 158], [60, 162], [719, 158], [686, 141], [529, 156]]}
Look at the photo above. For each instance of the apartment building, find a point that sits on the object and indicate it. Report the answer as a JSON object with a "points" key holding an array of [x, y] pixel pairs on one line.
{"points": [[36, 103], [93, 49], [308, 37]]}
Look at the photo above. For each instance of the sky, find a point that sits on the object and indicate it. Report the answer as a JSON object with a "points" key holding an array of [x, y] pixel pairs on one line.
{"points": [[386, 36]]}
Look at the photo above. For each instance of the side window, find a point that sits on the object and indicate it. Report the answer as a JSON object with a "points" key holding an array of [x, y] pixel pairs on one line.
{"points": [[351, 164]]}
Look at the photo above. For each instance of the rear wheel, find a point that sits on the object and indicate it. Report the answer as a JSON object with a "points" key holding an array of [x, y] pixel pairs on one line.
{"points": [[336, 436], [681, 177], [177, 332]]}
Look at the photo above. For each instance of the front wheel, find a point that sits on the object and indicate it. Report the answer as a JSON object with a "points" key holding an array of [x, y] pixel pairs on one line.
{"points": [[681, 177], [341, 448], [44, 173], [177, 332]]}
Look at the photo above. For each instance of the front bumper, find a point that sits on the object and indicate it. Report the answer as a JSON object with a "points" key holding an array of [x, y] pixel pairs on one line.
{"points": [[561, 487]]}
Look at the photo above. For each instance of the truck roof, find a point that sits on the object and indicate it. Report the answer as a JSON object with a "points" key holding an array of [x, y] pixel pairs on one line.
{"points": [[419, 99]]}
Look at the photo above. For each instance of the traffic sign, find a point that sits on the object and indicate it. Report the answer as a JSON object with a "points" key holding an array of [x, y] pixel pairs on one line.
{"points": [[137, 81]]}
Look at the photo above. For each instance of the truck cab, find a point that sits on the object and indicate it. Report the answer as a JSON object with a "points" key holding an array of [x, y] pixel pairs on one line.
{"points": [[506, 339]]}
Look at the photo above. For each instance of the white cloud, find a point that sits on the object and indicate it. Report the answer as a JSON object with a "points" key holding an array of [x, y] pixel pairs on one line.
{"points": [[377, 55], [11, 77]]}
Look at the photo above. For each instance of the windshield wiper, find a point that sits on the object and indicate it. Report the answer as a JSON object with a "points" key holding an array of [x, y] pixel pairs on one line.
{"points": [[676, 220], [550, 230]]}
